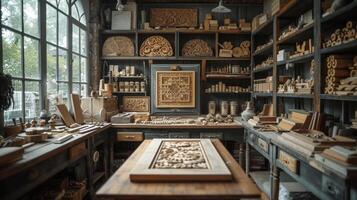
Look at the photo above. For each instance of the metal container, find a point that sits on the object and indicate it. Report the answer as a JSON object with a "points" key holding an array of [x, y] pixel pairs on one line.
{"points": [[233, 105], [224, 108], [212, 107]]}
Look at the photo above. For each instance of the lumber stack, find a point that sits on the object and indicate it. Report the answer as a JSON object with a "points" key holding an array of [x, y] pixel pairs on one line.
{"points": [[341, 35], [263, 85], [341, 75]]}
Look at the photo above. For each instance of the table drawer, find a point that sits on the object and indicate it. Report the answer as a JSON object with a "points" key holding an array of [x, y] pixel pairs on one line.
{"points": [[332, 188], [289, 162], [130, 136], [77, 151], [263, 145], [179, 135], [212, 135]]}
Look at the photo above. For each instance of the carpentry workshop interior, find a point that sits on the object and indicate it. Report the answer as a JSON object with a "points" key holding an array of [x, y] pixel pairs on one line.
{"points": [[178, 99]]}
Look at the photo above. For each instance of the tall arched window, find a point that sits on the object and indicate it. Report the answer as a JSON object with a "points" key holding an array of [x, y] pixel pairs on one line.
{"points": [[45, 61]]}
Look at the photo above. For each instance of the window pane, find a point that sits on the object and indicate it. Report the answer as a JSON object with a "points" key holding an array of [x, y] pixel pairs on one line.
{"points": [[83, 69], [83, 43], [75, 40], [63, 92], [32, 99], [11, 13], [11, 53], [75, 68], [62, 65], [31, 17], [83, 90], [63, 5], [15, 110], [76, 88], [75, 13], [53, 2], [83, 19], [51, 63], [32, 69], [51, 95], [62, 32], [51, 24]]}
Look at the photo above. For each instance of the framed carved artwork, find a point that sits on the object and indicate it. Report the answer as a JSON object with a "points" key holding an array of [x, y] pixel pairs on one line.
{"points": [[173, 17], [167, 160], [136, 104], [175, 89]]}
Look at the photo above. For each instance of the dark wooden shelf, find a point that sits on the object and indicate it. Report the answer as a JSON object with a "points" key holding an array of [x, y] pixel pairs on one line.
{"points": [[300, 59], [342, 14], [264, 51], [265, 29], [126, 77], [172, 58], [128, 92], [262, 94], [338, 97], [295, 8], [298, 35], [286, 95], [349, 47], [172, 31], [261, 69], [226, 93], [228, 76]]}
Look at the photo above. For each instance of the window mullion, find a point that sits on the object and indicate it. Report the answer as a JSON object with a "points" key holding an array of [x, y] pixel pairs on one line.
{"points": [[43, 55], [23, 60]]}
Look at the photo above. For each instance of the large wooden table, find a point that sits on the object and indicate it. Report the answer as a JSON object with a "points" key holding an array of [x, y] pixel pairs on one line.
{"points": [[119, 185]]}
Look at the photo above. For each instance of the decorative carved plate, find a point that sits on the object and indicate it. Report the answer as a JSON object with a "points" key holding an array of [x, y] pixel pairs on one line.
{"points": [[118, 46], [196, 47], [173, 17], [136, 104], [175, 89], [156, 46]]}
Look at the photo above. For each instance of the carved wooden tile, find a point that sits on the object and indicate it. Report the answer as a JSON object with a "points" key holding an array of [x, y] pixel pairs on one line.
{"points": [[173, 17], [136, 104], [175, 89]]}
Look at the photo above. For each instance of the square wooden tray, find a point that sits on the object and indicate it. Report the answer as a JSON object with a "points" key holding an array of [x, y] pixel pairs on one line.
{"points": [[145, 171]]}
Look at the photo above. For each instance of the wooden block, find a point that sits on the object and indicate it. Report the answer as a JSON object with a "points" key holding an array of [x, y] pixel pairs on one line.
{"points": [[65, 115], [77, 151], [287, 125], [130, 136], [10, 154], [37, 138], [289, 162], [76, 105]]}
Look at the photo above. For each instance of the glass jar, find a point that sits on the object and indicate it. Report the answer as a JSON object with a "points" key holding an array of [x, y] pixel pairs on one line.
{"points": [[224, 108], [212, 107], [233, 105]]}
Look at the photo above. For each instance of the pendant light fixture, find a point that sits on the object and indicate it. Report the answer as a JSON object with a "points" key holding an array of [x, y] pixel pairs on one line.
{"points": [[221, 8], [119, 6]]}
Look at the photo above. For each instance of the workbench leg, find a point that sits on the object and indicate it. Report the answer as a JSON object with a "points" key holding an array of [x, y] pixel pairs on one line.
{"points": [[89, 168], [247, 157], [275, 183], [241, 155]]}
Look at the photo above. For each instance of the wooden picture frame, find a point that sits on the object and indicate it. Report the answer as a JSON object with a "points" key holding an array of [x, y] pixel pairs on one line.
{"points": [[174, 17], [145, 170], [136, 103], [175, 89]]}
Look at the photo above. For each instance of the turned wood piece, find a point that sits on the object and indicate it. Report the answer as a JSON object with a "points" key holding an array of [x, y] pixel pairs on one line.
{"points": [[196, 47], [118, 46], [156, 46]]}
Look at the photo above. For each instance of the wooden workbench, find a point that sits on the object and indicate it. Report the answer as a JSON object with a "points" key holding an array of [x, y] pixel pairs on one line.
{"points": [[119, 185]]}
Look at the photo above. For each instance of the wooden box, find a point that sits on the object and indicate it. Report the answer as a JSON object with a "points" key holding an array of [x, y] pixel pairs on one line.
{"points": [[93, 106], [168, 160]]}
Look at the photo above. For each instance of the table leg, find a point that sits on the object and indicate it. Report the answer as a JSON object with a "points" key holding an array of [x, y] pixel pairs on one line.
{"points": [[275, 182], [247, 157]]}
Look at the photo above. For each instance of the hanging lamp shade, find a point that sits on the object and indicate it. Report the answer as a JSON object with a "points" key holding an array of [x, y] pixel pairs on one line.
{"points": [[221, 8]]}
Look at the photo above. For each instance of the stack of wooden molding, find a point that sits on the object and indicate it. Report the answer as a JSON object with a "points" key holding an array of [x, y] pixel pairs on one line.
{"points": [[339, 36], [341, 76]]}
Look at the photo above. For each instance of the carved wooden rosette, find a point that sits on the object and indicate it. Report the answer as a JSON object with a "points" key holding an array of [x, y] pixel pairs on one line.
{"points": [[118, 46], [156, 46], [243, 50], [196, 47], [175, 89], [136, 104], [173, 17]]}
